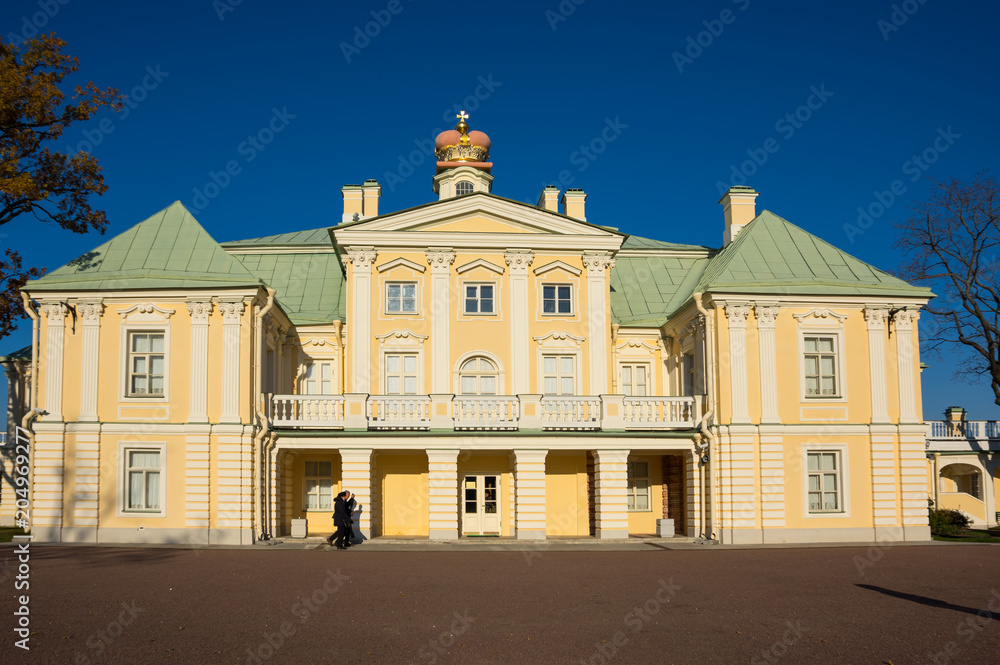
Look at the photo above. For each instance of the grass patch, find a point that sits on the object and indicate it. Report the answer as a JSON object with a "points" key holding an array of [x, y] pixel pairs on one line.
{"points": [[971, 536], [7, 533]]}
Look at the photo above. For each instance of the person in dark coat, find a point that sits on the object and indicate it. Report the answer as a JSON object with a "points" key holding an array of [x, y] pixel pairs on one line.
{"points": [[349, 504], [341, 520]]}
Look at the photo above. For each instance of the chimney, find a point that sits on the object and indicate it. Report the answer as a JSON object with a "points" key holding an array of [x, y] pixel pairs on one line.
{"points": [[372, 193], [573, 204], [549, 200], [353, 202], [740, 209]]}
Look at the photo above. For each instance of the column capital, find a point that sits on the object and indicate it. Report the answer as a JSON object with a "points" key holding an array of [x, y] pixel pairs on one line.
{"points": [[875, 317], [440, 260], [232, 311], [737, 315], [596, 264], [90, 311], [766, 314], [362, 257], [519, 262], [55, 312], [200, 311], [904, 319]]}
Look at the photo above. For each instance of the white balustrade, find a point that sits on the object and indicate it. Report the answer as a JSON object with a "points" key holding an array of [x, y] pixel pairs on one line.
{"points": [[309, 410], [659, 412], [565, 412], [399, 412], [486, 412]]}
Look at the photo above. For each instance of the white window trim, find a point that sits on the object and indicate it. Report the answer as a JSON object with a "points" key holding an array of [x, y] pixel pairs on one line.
{"points": [[649, 487], [574, 293], [476, 282], [123, 387], [457, 371], [305, 489], [622, 362], [845, 481], [123, 447], [416, 297], [577, 369], [418, 351], [816, 331], [311, 360]]}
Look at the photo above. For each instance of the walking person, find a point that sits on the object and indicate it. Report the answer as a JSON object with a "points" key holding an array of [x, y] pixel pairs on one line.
{"points": [[341, 520], [349, 504]]}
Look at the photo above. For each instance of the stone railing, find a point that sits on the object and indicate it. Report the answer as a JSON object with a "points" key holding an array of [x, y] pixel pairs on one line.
{"points": [[486, 412], [965, 429]]}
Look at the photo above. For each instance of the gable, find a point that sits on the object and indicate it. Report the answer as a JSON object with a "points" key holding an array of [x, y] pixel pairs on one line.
{"points": [[479, 224]]}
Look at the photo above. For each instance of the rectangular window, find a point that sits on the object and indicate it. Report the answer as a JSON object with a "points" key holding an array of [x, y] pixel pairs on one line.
{"points": [[634, 380], [401, 297], [319, 485], [479, 299], [400, 374], [557, 299], [824, 482], [142, 480], [317, 379], [638, 486], [687, 374], [821, 366], [558, 375], [146, 362]]}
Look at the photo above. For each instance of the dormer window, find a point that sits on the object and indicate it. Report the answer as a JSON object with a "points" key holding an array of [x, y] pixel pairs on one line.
{"points": [[464, 187]]}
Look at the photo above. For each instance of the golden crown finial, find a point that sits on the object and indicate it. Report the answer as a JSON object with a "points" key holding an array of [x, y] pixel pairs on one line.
{"points": [[462, 126]]}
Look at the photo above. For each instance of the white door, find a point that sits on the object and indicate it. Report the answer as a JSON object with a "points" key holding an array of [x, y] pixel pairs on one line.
{"points": [[481, 506]]}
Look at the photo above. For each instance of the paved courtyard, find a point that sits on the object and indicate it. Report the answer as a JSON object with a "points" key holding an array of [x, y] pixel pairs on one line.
{"points": [[898, 604]]}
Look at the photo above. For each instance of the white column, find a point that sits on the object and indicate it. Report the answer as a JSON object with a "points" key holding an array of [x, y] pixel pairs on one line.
{"points": [[200, 311], [232, 316], [356, 475], [904, 364], [519, 263], [442, 479], [529, 489], [359, 318], [768, 364], [737, 315], [875, 317], [440, 313], [55, 315], [611, 493], [90, 318], [597, 320]]}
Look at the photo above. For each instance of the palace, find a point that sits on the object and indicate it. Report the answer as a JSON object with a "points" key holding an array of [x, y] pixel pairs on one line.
{"points": [[472, 366]]}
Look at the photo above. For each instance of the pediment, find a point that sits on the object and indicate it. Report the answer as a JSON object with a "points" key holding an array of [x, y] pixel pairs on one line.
{"points": [[477, 219]]}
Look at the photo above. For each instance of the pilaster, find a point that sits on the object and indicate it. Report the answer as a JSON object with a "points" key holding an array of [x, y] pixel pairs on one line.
{"points": [[356, 474], [611, 493], [55, 316], [904, 320], [519, 263], [766, 314], [442, 479], [200, 312], [232, 316], [440, 261], [597, 319], [90, 318], [737, 316], [875, 318], [360, 302], [529, 489]]}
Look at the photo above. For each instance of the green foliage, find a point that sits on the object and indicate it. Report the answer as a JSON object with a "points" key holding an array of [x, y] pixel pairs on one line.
{"points": [[947, 522]]}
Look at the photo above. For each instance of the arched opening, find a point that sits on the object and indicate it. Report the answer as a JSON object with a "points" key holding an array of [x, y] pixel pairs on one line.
{"points": [[478, 376], [962, 479]]}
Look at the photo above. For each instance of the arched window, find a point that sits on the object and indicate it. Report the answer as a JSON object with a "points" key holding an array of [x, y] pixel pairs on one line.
{"points": [[463, 188], [479, 377]]}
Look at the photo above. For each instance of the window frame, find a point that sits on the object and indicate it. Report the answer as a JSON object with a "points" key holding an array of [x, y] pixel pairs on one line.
{"points": [[418, 356], [556, 285], [478, 286], [632, 366], [125, 378], [843, 469], [558, 353], [124, 448], [416, 297], [303, 379], [472, 187], [496, 374], [840, 363], [305, 485], [631, 489]]}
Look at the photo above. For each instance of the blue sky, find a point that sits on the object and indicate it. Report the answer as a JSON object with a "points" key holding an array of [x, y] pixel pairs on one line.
{"points": [[820, 106]]}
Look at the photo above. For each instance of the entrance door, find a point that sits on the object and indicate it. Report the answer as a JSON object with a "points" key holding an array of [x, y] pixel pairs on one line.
{"points": [[481, 506]]}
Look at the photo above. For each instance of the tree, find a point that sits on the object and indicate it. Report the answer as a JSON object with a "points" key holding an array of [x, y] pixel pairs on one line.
{"points": [[34, 180], [950, 244]]}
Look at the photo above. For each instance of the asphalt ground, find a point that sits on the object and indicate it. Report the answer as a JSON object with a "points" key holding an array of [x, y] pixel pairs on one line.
{"points": [[893, 604]]}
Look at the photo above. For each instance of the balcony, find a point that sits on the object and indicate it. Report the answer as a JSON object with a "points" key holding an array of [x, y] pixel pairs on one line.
{"points": [[963, 436], [485, 412]]}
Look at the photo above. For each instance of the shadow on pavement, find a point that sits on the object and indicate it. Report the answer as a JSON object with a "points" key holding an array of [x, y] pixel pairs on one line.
{"points": [[923, 600]]}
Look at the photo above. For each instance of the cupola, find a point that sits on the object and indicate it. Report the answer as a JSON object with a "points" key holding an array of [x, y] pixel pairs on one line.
{"points": [[463, 166]]}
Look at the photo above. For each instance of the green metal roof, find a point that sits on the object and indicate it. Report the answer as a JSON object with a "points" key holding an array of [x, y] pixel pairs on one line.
{"points": [[310, 287], [168, 250], [772, 255], [638, 242], [319, 236], [646, 291]]}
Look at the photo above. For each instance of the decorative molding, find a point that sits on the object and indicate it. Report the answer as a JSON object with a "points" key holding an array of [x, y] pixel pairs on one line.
{"points": [[440, 260], [200, 311], [875, 317], [641, 343], [560, 335], [766, 314], [576, 272], [54, 312], [479, 263], [231, 312], [316, 341], [90, 312], [401, 262], [821, 313], [596, 264], [737, 315], [400, 334], [146, 308], [904, 319], [519, 262], [362, 258]]}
